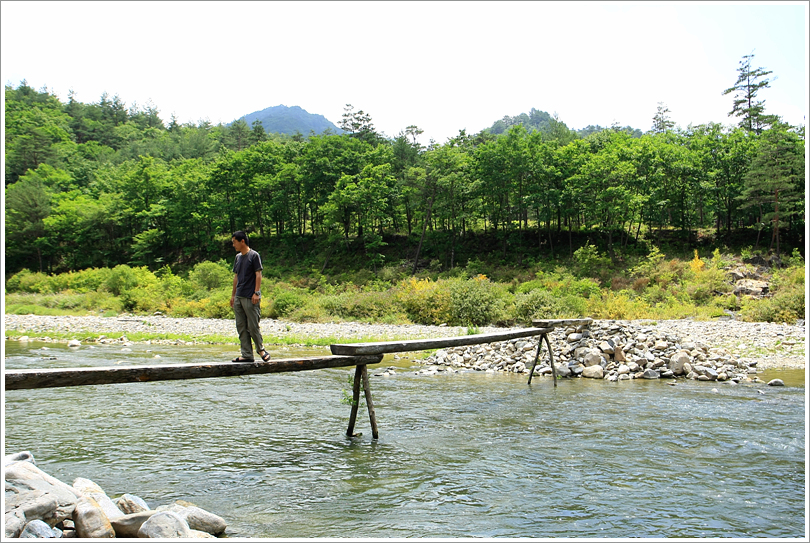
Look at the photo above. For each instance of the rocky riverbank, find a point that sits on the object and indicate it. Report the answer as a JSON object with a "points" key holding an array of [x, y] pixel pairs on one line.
{"points": [[759, 345], [624, 350], [40, 506]]}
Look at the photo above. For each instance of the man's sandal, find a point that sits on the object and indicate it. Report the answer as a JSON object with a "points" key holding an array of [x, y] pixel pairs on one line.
{"points": [[240, 359], [265, 356]]}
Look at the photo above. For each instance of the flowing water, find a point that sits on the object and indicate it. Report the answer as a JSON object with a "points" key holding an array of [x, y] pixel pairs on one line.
{"points": [[462, 455]]}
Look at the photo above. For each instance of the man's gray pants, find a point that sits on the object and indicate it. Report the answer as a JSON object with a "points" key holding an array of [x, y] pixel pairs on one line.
{"points": [[247, 324]]}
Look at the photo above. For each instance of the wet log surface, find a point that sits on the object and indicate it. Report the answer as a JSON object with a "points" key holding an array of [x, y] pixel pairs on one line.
{"points": [[553, 323], [65, 377], [383, 347]]}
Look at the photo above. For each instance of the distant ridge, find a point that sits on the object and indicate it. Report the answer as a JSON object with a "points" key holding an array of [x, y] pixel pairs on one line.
{"points": [[541, 120], [289, 120]]}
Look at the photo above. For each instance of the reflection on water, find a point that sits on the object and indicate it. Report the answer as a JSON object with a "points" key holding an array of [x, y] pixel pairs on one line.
{"points": [[465, 455]]}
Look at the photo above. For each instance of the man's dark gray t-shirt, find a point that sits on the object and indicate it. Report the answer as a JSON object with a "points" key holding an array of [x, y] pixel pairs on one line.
{"points": [[245, 268]]}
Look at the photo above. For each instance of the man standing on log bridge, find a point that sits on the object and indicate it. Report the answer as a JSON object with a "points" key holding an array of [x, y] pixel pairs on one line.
{"points": [[246, 298]]}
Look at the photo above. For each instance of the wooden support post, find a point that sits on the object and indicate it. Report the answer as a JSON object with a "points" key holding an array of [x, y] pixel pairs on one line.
{"points": [[536, 356], [551, 359], [355, 398], [371, 416], [544, 336]]}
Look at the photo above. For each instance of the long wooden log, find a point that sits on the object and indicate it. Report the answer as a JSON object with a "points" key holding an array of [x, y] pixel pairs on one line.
{"points": [[553, 323], [65, 377], [382, 347]]}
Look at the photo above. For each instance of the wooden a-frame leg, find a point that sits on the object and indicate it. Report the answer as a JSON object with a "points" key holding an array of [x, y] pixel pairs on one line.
{"points": [[550, 356], [355, 398], [371, 416]]}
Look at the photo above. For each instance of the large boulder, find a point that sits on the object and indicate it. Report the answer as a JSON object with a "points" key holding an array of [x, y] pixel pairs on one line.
{"points": [[88, 488], [593, 358], [593, 372], [40, 530], [751, 287], [31, 504], [197, 518], [130, 525], [129, 503], [164, 525], [23, 477], [678, 361], [14, 522], [90, 520]]}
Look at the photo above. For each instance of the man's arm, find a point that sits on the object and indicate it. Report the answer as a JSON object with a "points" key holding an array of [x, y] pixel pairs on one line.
{"points": [[233, 292], [255, 298]]}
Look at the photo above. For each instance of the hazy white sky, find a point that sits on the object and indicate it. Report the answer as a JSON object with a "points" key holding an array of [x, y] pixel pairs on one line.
{"points": [[443, 66]]}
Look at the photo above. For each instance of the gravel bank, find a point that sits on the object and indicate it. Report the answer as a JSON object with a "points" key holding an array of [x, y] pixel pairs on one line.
{"points": [[771, 345]]}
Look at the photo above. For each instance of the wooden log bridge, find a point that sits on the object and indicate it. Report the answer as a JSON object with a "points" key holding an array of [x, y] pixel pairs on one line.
{"points": [[347, 354]]}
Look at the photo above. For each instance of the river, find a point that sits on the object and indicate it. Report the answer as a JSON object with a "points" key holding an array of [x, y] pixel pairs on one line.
{"points": [[462, 455]]}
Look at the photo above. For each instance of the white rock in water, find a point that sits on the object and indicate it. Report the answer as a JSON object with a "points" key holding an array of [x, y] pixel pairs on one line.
{"points": [[776, 383], [74, 343], [23, 338]]}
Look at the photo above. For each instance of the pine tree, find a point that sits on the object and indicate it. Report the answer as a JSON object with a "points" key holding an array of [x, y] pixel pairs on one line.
{"points": [[752, 111], [775, 180], [661, 121]]}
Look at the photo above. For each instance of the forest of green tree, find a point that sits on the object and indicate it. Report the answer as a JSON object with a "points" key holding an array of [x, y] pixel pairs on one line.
{"points": [[101, 184]]}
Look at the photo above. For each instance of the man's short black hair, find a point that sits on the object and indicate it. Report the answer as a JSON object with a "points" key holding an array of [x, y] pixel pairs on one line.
{"points": [[240, 236]]}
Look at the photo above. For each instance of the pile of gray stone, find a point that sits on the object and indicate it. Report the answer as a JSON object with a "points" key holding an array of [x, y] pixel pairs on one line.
{"points": [[41, 506], [609, 350]]}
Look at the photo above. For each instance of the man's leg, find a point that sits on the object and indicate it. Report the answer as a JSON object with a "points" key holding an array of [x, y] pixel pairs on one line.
{"points": [[252, 316], [241, 313]]}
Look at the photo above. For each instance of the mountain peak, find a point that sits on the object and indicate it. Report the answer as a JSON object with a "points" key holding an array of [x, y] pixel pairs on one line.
{"points": [[290, 119]]}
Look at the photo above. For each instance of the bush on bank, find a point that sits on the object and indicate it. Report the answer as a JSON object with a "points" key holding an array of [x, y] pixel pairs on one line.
{"points": [[652, 287]]}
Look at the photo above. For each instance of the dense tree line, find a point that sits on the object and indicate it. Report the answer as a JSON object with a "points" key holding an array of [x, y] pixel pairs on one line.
{"points": [[101, 184]]}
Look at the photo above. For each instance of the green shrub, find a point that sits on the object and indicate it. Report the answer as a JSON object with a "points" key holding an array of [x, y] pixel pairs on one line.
{"points": [[211, 275], [364, 306], [704, 285], [312, 311], [475, 301], [542, 304], [79, 281], [425, 301], [284, 303], [618, 305], [26, 281], [144, 299], [218, 305], [123, 278], [589, 261], [787, 303]]}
